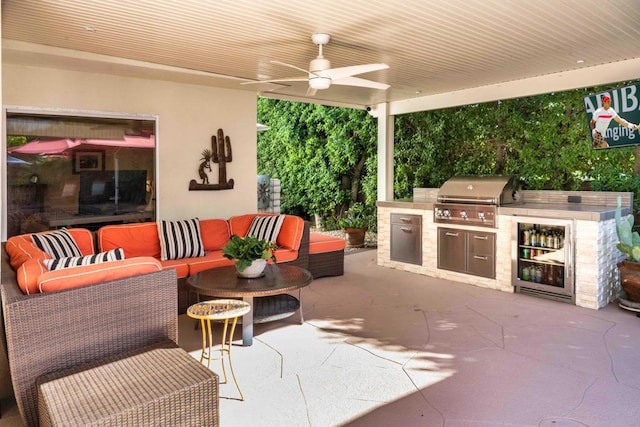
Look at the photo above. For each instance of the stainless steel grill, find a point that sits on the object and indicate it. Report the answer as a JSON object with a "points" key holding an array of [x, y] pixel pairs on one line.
{"points": [[473, 200]]}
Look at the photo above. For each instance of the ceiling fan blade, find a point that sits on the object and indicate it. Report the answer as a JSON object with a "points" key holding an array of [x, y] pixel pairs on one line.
{"points": [[355, 81], [342, 72], [290, 66], [291, 79], [311, 91]]}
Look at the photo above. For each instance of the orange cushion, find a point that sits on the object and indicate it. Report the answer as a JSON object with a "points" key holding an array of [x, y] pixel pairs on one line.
{"points": [[290, 235], [210, 260], [28, 274], [180, 265], [320, 243], [84, 239], [239, 224], [21, 249], [140, 239], [285, 255], [76, 277], [214, 233]]}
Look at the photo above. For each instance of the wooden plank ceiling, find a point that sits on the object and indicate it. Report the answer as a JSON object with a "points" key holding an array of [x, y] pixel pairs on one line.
{"points": [[431, 46]]}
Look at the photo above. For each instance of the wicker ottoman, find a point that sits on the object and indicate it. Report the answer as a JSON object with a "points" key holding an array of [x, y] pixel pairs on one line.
{"points": [[326, 255], [156, 386]]}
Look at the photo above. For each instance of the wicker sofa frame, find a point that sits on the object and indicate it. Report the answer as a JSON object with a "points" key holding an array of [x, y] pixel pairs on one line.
{"points": [[326, 264], [57, 331]]}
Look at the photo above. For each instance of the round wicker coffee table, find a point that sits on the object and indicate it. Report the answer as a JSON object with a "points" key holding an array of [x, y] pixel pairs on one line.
{"points": [[267, 295]]}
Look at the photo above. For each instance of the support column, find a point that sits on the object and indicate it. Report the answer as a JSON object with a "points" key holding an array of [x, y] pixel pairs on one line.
{"points": [[385, 151]]}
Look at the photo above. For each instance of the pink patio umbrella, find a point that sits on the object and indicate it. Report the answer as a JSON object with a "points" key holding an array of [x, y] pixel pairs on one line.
{"points": [[58, 146], [45, 146]]}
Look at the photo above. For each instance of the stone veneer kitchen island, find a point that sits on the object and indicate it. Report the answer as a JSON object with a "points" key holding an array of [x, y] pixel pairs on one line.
{"points": [[596, 256]]}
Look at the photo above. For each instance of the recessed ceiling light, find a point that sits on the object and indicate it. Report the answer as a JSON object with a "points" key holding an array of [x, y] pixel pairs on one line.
{"points": [[89, 29], [580, 61]]}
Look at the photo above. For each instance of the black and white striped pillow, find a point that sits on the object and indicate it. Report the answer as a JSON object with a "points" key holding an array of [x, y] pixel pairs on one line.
{"points": [[60, 263], [180, 239], [58, 243], [266, 227]]}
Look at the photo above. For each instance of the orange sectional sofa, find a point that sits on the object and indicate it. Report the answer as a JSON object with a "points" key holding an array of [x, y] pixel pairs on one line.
{"points": [[53, 320], [142, 250]]}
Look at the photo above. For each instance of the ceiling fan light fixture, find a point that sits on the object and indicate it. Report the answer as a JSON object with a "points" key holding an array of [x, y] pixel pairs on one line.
{"points": [[318, 77], [319, 82]]}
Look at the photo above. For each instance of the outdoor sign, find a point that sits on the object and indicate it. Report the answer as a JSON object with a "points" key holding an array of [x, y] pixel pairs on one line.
{"points": [[606, 125]]}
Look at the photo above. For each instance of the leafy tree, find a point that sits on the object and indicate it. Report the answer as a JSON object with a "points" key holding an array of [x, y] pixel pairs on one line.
{"points": [[15, 141], [542, 139], [325, 157]]}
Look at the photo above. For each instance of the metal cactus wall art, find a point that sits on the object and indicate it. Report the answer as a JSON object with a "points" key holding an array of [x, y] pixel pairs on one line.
{"points": [[220, 154]]}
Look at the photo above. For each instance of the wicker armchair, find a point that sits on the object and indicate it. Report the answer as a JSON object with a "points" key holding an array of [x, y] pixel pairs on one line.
{"points": [[59, 331]]}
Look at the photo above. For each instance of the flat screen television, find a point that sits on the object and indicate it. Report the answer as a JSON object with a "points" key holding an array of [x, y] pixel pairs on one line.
{"points": [[625, 102], [100, 194]]}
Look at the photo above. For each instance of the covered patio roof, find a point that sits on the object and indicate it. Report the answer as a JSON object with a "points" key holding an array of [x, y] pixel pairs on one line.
{"points": [[440, 53]]}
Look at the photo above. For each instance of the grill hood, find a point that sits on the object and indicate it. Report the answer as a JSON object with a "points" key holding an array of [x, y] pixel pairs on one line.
{"points": [[489, 190]]}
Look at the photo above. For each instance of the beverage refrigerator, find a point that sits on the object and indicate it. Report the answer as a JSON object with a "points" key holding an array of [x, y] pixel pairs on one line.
{"points": [[543, 257]]}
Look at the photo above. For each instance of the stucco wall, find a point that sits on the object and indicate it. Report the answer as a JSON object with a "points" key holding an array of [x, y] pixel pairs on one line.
{"points": [[188, 116]]}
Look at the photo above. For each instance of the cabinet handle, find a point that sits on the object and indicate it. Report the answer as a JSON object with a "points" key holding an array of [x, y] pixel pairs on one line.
{"points": [[405, 219], [481, 237], [484, 258], [406, 229], [451, 234]]}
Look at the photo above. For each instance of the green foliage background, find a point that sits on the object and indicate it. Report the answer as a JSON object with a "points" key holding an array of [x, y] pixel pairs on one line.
{"points": [[326, 159]]}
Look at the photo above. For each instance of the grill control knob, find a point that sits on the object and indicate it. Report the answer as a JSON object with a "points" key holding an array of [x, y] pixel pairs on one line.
{"points": [[446, 213], [438, 213], [481, 216], [463, 214]]}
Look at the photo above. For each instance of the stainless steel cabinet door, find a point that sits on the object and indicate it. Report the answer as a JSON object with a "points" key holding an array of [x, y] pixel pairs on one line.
{"points": [[406, 238], [452, 249]]}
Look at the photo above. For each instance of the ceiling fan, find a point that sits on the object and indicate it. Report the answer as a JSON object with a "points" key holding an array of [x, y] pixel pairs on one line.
{"points": [[320, 75]]}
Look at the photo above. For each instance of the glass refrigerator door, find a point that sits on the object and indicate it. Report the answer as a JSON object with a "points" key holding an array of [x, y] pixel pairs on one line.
{"points": [[543, 257]]}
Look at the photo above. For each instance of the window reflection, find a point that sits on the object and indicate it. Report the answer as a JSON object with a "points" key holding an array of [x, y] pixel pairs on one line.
{"points": [[78, 171]]}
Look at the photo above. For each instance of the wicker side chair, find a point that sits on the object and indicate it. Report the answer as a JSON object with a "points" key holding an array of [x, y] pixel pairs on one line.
{"points": [[58, 331]]}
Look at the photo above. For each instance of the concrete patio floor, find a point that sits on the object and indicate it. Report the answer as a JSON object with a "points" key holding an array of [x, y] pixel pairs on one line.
{"points": [[382, 347]]}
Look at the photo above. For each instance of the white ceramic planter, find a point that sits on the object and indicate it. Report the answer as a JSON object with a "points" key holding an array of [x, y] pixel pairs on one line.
{"points": [[256, 269]]}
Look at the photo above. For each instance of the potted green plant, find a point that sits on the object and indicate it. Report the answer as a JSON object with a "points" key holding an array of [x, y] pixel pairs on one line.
{"points": [[354, 224], [629, 245], [250, 254]]}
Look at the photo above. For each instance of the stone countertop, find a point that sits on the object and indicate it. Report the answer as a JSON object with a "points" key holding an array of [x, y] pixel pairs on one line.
{"points": [[410, 203], [578, 211]]}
